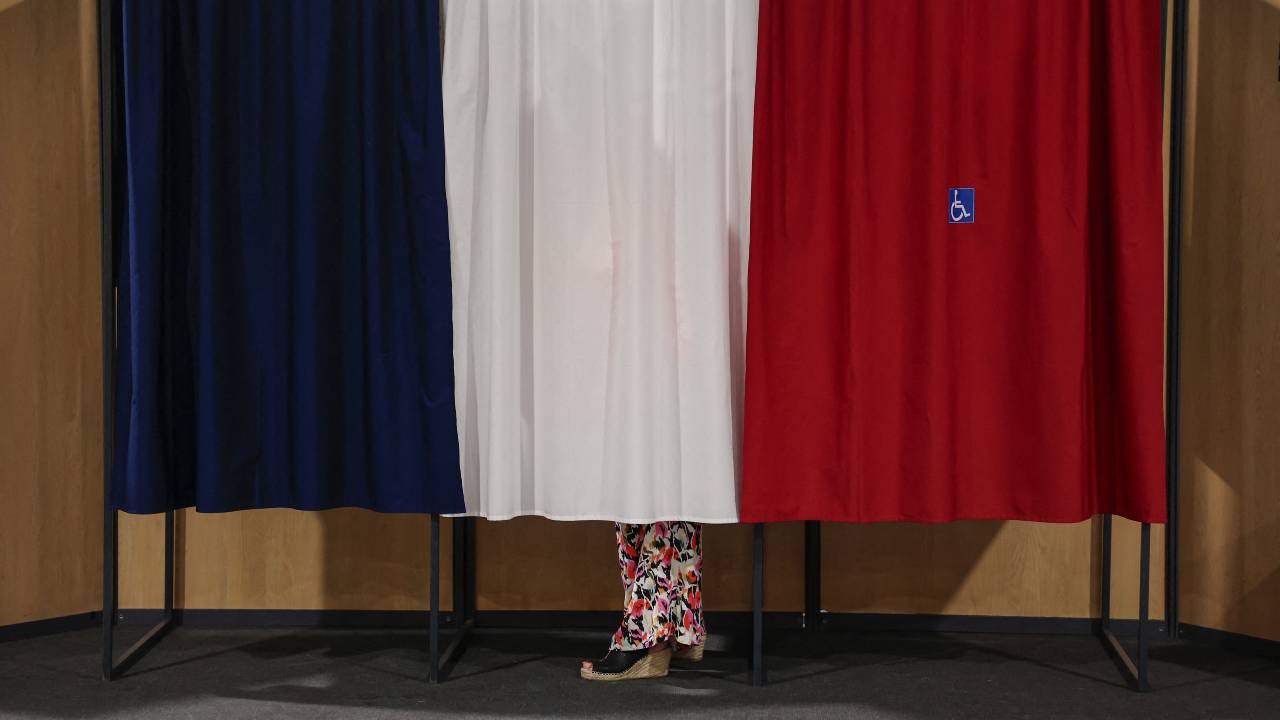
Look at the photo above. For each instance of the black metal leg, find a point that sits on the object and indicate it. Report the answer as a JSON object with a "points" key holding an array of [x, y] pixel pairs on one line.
{"points": [[108, 592], [1144, 602], [107, 149], [112, 668], [433, 673], [109, 530], [757, 610], [812, 574], [464, 565], [1135, 669], [463, 595], [1173, 311]]}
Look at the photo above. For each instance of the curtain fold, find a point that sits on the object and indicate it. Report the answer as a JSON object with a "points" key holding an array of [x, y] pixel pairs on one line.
{"points": [[599, 167], [901, 367], [285, 327]]}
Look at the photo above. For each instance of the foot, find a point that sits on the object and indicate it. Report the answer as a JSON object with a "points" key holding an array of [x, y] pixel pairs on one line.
{"points": [[628, 664]]}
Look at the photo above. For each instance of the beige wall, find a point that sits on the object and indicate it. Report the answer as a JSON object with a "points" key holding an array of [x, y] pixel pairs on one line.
{"points": [[1230, 492], [50, 345]]}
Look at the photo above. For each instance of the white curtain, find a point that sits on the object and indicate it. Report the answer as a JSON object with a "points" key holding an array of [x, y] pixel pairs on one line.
{"points": [[599, 156]]}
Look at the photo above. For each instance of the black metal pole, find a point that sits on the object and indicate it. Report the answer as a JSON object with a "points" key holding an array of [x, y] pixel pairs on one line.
{"points": [[1144, 603], [108, 149], [1173, 321], [106, 102], [1135, 670], [757, 609], [812, 574], [433, 673], [445, 658]]}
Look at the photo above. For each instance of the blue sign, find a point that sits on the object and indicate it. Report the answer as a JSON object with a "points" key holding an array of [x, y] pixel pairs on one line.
{"points": [[960, 205]]}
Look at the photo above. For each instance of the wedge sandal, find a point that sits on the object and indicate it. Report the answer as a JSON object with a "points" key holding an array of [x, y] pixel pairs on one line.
{"points": [[629, 665], [687, 654]]}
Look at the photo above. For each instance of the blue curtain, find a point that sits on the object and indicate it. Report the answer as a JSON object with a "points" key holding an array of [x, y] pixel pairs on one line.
{"points": [[284, 319]]}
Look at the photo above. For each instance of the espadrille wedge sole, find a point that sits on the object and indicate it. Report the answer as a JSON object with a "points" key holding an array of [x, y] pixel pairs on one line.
{"points": [[652, 665], [687, 654]]}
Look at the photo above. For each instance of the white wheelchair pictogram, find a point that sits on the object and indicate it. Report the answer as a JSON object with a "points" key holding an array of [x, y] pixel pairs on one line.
{"points": [[958, 207]]}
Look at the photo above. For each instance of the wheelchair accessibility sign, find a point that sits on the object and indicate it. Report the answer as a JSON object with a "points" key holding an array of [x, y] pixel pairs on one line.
{"points": [[960, 205]]}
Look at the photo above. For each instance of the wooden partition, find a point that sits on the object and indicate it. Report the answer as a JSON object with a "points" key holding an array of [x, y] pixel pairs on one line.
{"points": [[282, 560], [1230, 526], [50, 342], [354, 559]]}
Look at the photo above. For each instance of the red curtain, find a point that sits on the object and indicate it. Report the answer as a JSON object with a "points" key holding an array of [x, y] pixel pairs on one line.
{"points": [[902, 367]]}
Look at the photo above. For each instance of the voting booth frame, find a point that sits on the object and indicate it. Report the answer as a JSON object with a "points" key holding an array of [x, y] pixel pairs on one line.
{"points": [[463, 617]]}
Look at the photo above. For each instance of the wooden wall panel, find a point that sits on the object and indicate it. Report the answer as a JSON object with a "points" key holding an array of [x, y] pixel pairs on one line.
{"points": [[970, 568], [537, 563], [1230, 460], [984, 568], [354, 559], [50, 356], [283, 559]]}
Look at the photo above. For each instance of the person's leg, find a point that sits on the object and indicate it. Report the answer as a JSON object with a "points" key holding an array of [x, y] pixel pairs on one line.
{"points": [[639, 647], [633, 563], [647, 619], [686, 598]]}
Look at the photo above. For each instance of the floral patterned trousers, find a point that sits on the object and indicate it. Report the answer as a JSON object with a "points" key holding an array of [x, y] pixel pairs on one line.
{"points": [[662, 585]]}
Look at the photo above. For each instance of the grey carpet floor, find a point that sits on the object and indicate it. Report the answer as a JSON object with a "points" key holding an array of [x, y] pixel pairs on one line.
{"points": [[200, 673]]}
